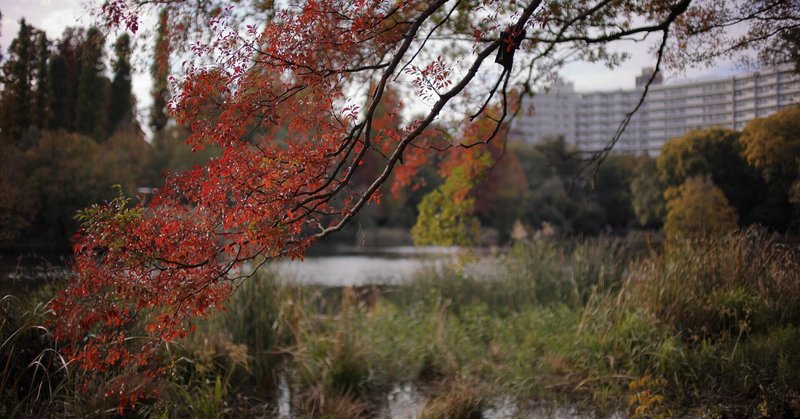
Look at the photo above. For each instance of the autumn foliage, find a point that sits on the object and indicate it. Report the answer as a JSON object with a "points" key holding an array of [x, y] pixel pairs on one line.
{"points": [[279, 100], [142, 273]]}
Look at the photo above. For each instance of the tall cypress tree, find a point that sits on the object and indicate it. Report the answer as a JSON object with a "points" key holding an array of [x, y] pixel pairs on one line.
{"points": [[121, 110], [71, 49], [16, 97], [58, 96], [160, 73], [64, 70], [40, 99], [1, 34], [90, 115]]}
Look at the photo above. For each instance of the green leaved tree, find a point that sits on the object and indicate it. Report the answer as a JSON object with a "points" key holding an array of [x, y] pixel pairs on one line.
{"points": [[716, 153], [647, 194], [772, 147], [447, 214]]}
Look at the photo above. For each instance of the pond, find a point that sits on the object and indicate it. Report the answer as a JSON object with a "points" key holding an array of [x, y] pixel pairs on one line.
{"points": [[329, 265], [406, 400], [356, 266]]}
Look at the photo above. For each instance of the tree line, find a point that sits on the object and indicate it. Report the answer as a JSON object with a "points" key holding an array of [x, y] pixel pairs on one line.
{"points": [[62, 85], [708, 181], [69, 131], [716, 179]]}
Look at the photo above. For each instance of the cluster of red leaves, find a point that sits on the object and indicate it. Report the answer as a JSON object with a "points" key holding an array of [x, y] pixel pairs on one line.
{"points": [[298, 157], [290, 145], [275, 102], [119, 13], [432, 79]]}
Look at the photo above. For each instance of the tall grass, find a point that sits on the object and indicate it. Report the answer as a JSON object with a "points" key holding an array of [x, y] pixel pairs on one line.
{"points": [[230, 365], [35, 380], [742, 283], [730, 306], [704, 327], [591, 323], [541, 272]]}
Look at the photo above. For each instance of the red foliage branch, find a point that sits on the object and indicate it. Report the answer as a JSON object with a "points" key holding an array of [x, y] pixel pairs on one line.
{"points": [[276, 99]]}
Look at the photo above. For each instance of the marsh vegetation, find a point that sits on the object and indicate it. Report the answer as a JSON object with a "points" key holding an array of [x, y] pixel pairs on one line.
{"points": [[597, 327]]}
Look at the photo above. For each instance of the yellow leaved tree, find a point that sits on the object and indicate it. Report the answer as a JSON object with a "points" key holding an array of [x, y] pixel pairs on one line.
{"points": [[700, 209]]}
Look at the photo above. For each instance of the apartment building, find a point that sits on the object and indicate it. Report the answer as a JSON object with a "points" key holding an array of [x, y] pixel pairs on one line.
{"points": [[589, 120]]}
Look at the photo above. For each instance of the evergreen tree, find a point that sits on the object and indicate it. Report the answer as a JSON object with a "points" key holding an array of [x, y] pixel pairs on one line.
{"points": [[121, 107], [71, 48], [160, 72], [16, 98], [105, 113], [58, 96], [39, 109], [1, 34], [89, 109]]}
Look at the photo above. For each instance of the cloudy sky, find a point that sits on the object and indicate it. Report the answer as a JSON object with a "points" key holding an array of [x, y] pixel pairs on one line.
{"points": [[53, 16]]}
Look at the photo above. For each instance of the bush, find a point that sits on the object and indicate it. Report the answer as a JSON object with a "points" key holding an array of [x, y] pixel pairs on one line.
{"points": [[745, 282], [699, 210], [540, 272]]}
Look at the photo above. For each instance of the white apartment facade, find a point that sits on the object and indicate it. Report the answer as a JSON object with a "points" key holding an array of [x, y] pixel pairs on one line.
{"points": [[590, 120]]}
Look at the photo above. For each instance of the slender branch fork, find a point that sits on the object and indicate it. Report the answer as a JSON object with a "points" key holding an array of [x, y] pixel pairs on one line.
{"points": [[444, 98], [354, 146], [524, 18], [349, 155]]}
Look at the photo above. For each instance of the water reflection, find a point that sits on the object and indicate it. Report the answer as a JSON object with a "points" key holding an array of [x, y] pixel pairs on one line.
{"points": [[351, 266], [407, 401], [404, 401]]}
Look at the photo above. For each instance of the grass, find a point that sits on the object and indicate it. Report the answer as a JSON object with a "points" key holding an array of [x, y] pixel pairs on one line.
{"points": [[705, 327], [34, 379]]}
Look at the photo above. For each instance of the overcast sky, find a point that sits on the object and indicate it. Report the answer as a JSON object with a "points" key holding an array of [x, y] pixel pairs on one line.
{"points": [[53, 16]]}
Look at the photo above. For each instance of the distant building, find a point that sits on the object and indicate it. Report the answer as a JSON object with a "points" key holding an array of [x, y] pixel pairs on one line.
{"points": [[647, 73], [589, 120], [551, 113]]}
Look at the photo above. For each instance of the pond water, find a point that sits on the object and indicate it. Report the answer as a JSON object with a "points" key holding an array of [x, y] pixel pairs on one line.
{"points": [[331, 266], [406, 400], [32, 265], [355, 266]]}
